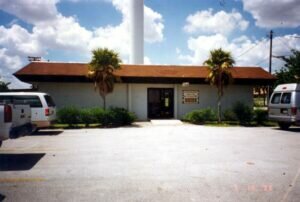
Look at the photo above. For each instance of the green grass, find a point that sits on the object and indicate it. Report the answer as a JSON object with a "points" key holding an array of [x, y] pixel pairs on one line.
{"points": [[223, 124], [75, 126], [210, 123], [236, 123]]}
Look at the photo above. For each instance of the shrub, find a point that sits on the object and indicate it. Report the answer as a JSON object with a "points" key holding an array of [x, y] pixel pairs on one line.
{"points": [[87, 117], [119, 117], [69, 115], [244, 113], [200, 116], [260, 116], [111, 117], [229, 115], [99, 114]]}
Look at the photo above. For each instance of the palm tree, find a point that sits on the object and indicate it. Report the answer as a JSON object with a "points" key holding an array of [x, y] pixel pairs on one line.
{"points": [[101, 68], [220, 62], [4, 86]]}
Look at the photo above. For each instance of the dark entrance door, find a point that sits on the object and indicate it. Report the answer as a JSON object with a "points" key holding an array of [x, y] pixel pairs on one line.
{"points": [[160, 103]]}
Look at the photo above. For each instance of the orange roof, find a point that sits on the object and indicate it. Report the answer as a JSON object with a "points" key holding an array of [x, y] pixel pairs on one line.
{"points": [[138, 71]]}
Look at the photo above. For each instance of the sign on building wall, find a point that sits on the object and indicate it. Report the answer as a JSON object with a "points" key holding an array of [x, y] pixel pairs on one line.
{"points": [[190, 97]]}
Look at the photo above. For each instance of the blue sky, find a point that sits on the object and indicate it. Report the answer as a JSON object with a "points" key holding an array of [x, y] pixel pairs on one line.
{"points": [[176, 31]]}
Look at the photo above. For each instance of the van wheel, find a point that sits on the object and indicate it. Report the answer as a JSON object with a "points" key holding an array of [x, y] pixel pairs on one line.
{"points": [[284, 126], [35, 130]]}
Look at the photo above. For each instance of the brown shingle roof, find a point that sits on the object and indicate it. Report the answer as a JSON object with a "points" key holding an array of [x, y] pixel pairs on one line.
{"points": [[138, 71]]}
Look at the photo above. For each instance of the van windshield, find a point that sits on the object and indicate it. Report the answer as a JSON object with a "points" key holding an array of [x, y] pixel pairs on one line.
{"points": [[49, 101]]}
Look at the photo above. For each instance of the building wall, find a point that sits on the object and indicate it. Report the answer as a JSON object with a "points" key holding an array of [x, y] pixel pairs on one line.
{"points": [[208, 97], [83, 94], [134, 96]]}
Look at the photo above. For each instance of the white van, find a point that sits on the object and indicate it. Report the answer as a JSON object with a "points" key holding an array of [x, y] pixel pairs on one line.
{"points": [[43, 109], [284, 105]]}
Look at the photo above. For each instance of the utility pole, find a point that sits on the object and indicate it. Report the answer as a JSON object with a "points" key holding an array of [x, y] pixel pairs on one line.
{"points": [[270, 65], [270, 57]]}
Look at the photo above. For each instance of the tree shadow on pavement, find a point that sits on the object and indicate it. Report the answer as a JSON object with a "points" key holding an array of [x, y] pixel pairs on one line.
{"points": [[47, 133], [2, 197], [294, 130], [19, 162]]}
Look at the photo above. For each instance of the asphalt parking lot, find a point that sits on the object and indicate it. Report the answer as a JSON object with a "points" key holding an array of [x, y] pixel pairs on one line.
{"points": [[153, 163]]}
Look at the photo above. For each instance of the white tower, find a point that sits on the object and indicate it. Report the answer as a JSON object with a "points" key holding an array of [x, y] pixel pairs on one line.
{"points": [[137, 32]]}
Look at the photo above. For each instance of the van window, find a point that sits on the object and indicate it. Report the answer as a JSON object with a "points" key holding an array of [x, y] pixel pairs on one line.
{"points": [[286, 98], [33, 101], [276, 98], [49, 101], [6, 99]]}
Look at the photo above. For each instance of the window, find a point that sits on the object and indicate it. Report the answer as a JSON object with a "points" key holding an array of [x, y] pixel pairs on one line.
{"points": [[286, 98], [276, 98], [33, 101], [49, 101], [6, 99]]}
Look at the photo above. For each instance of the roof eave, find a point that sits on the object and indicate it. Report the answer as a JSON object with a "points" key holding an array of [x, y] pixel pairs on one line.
{"points": [[173, 80]]}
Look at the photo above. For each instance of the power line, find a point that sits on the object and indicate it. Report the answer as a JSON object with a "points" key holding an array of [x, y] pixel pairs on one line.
{"points": [[284, 44], [263, 60], [289, 45], [247, 50]]}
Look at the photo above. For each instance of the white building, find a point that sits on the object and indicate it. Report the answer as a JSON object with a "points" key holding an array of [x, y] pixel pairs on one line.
{"points": [[150, 91]]}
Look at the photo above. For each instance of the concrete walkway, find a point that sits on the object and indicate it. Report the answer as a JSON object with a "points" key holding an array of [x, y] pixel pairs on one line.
{"points": [[166, 122]]}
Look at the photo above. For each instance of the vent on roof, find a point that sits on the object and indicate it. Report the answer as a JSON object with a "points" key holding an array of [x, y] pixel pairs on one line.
{"points": [[33, 58]]}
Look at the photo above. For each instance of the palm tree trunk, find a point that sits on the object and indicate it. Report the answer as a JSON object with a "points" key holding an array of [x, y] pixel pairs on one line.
{"points": [[219, 94], [219, 108], [104, 102]]}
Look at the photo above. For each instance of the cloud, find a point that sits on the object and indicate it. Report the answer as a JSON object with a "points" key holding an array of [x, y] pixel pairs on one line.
{"points": [[19, 41], [63, 33], [274, 13], [153, 26], [153, 21], [13, 62], [212, 23], [31, 11], [246, 52], [112, 37], [12, 22], [147, 61], [118, 38], [53, 31]]}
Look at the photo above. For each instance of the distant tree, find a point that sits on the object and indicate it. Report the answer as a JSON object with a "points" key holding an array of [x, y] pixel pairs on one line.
{"points": [[220, 62], [104, 62], [290, 72], [4, 86]]}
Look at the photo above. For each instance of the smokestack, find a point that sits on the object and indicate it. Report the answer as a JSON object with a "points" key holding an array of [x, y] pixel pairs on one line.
{"points": [[137, 31]]}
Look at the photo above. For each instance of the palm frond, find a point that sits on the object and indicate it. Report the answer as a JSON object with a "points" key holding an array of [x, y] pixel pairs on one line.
{"points": [[104, 62]]}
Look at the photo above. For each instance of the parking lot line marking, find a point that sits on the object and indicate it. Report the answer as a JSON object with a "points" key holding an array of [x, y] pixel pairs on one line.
{"points": [[14, 180], [291, 187]]}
